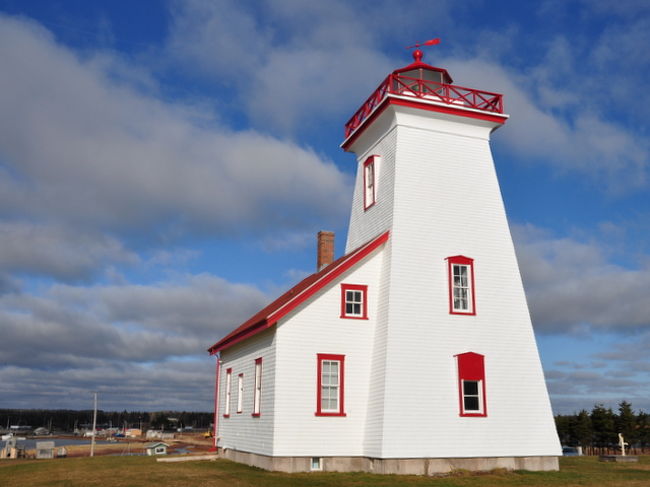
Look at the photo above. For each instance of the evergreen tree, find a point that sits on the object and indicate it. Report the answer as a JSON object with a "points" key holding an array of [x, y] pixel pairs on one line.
{"points": [[583, 430], [603, 423], [564, 428], [643, 429]]}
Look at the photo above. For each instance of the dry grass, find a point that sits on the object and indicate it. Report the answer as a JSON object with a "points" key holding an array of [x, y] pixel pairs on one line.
{"points": [[146, 472]]}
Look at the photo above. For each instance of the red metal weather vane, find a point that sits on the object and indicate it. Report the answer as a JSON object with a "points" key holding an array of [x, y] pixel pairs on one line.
{"points": [[417, 54]]}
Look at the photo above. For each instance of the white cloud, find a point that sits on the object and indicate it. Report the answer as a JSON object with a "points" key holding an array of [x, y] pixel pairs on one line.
{"points": [[93, 337], [573, 285], [290, 63], [585, 143], [57, 251], [82, 145], [173, 384]]}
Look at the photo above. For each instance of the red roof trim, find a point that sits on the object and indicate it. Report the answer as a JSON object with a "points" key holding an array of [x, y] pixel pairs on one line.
{"points": [[391, 100], [298, 294]]}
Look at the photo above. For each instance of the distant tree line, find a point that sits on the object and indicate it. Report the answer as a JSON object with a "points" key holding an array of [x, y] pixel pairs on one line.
{"points": [[66, 420], [597, 431]]}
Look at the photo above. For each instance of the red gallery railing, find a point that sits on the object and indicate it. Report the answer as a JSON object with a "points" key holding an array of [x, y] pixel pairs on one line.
{"points": [[426, 90]]}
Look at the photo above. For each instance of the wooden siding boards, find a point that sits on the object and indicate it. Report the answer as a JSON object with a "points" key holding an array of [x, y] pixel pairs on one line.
{"points": [[241, 431], [465, 217], [366, 224], [318, 328]]}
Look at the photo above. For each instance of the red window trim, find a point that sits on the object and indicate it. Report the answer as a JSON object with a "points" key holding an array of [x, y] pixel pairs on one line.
{"points": [[461, 260], [240, 392], [255, 393], [227, 391], [369, 161], [341, 359], [364, 303], [471, 366]]}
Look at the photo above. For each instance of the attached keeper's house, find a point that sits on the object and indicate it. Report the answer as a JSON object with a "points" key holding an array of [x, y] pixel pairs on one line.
{"points": [[414, 352]]}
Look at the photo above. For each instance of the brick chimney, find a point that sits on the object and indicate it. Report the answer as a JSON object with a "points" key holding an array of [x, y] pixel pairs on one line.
{"points": [[325, 249]]}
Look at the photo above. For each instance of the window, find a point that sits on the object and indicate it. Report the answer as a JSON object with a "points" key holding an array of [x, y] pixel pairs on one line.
{"points": [[471, 384], [330, 386], [370, 181], [461, 285], [316, 463], [226, 411], [353, 301], [257, 391], [240, 392]]}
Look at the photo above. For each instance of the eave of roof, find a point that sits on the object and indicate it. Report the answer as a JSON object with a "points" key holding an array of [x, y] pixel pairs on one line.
{"points": [[302, 291]]}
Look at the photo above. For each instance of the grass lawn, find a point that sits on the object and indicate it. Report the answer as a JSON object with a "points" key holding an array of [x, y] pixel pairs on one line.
{"points": [[145, 471]]}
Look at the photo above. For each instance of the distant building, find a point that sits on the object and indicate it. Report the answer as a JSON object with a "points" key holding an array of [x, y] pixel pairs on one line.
{"points": [[159, 434], [45, 450], [157, 448]]}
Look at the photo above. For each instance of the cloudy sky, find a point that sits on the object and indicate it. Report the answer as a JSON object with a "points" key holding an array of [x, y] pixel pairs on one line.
{"points": [[165, 165]]}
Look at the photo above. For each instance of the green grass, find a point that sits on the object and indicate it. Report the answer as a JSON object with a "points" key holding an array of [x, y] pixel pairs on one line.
{"points": [[145, 472]]}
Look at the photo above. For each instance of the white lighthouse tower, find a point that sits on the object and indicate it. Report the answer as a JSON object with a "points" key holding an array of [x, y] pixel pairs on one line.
{"points": [[454, 347]]}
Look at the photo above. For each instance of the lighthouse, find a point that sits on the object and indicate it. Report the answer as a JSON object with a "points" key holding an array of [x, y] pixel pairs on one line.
{"points": [[456, 306], [414, 352]]}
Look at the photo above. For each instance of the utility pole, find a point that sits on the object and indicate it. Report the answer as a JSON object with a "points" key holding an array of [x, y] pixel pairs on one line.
{"points": [[92, 443]]}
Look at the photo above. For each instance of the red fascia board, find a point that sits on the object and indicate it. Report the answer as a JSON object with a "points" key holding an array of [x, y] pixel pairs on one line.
{"points": [[343, 266], [270, 315], [391, 100], [460, 259], [229, 341]]}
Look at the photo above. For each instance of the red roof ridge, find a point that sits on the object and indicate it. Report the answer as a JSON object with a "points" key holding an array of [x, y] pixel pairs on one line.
{"points": [[269, 315]]}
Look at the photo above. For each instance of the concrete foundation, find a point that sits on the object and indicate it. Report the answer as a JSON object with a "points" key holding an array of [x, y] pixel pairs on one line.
{"points": [[400, 466], [619, 458]]}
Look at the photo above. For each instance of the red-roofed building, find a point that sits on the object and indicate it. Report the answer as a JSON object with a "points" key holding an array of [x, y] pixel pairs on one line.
{"points": [[414, 352]]}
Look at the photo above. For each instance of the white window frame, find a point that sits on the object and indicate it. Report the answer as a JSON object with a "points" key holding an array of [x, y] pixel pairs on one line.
{"points": [[479, 395], [257, 390], [326, 388], [240, 392], [353, 297], [316, 464], [334, 389], [457, 288], [370, 181], [226, 410]]}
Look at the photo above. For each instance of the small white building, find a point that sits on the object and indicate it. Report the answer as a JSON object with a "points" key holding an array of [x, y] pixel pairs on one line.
{"points": [[156, 448], [45, 449], [414, 352]]}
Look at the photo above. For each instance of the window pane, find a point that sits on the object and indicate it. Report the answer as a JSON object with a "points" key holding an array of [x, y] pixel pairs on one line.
{"points": [[356, 309], [470, 387], [349, 308], [471, 403]]}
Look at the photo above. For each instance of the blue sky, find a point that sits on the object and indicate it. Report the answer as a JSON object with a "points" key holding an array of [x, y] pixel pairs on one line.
{"points": [[165, 166]]}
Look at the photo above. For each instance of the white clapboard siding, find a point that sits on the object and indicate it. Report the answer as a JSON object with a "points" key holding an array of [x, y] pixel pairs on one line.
{"points": [[446, 201], [242, 431], [316, 327]]}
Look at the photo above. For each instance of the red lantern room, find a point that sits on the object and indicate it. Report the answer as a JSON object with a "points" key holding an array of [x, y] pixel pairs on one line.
{"points": [[422, 85]]}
